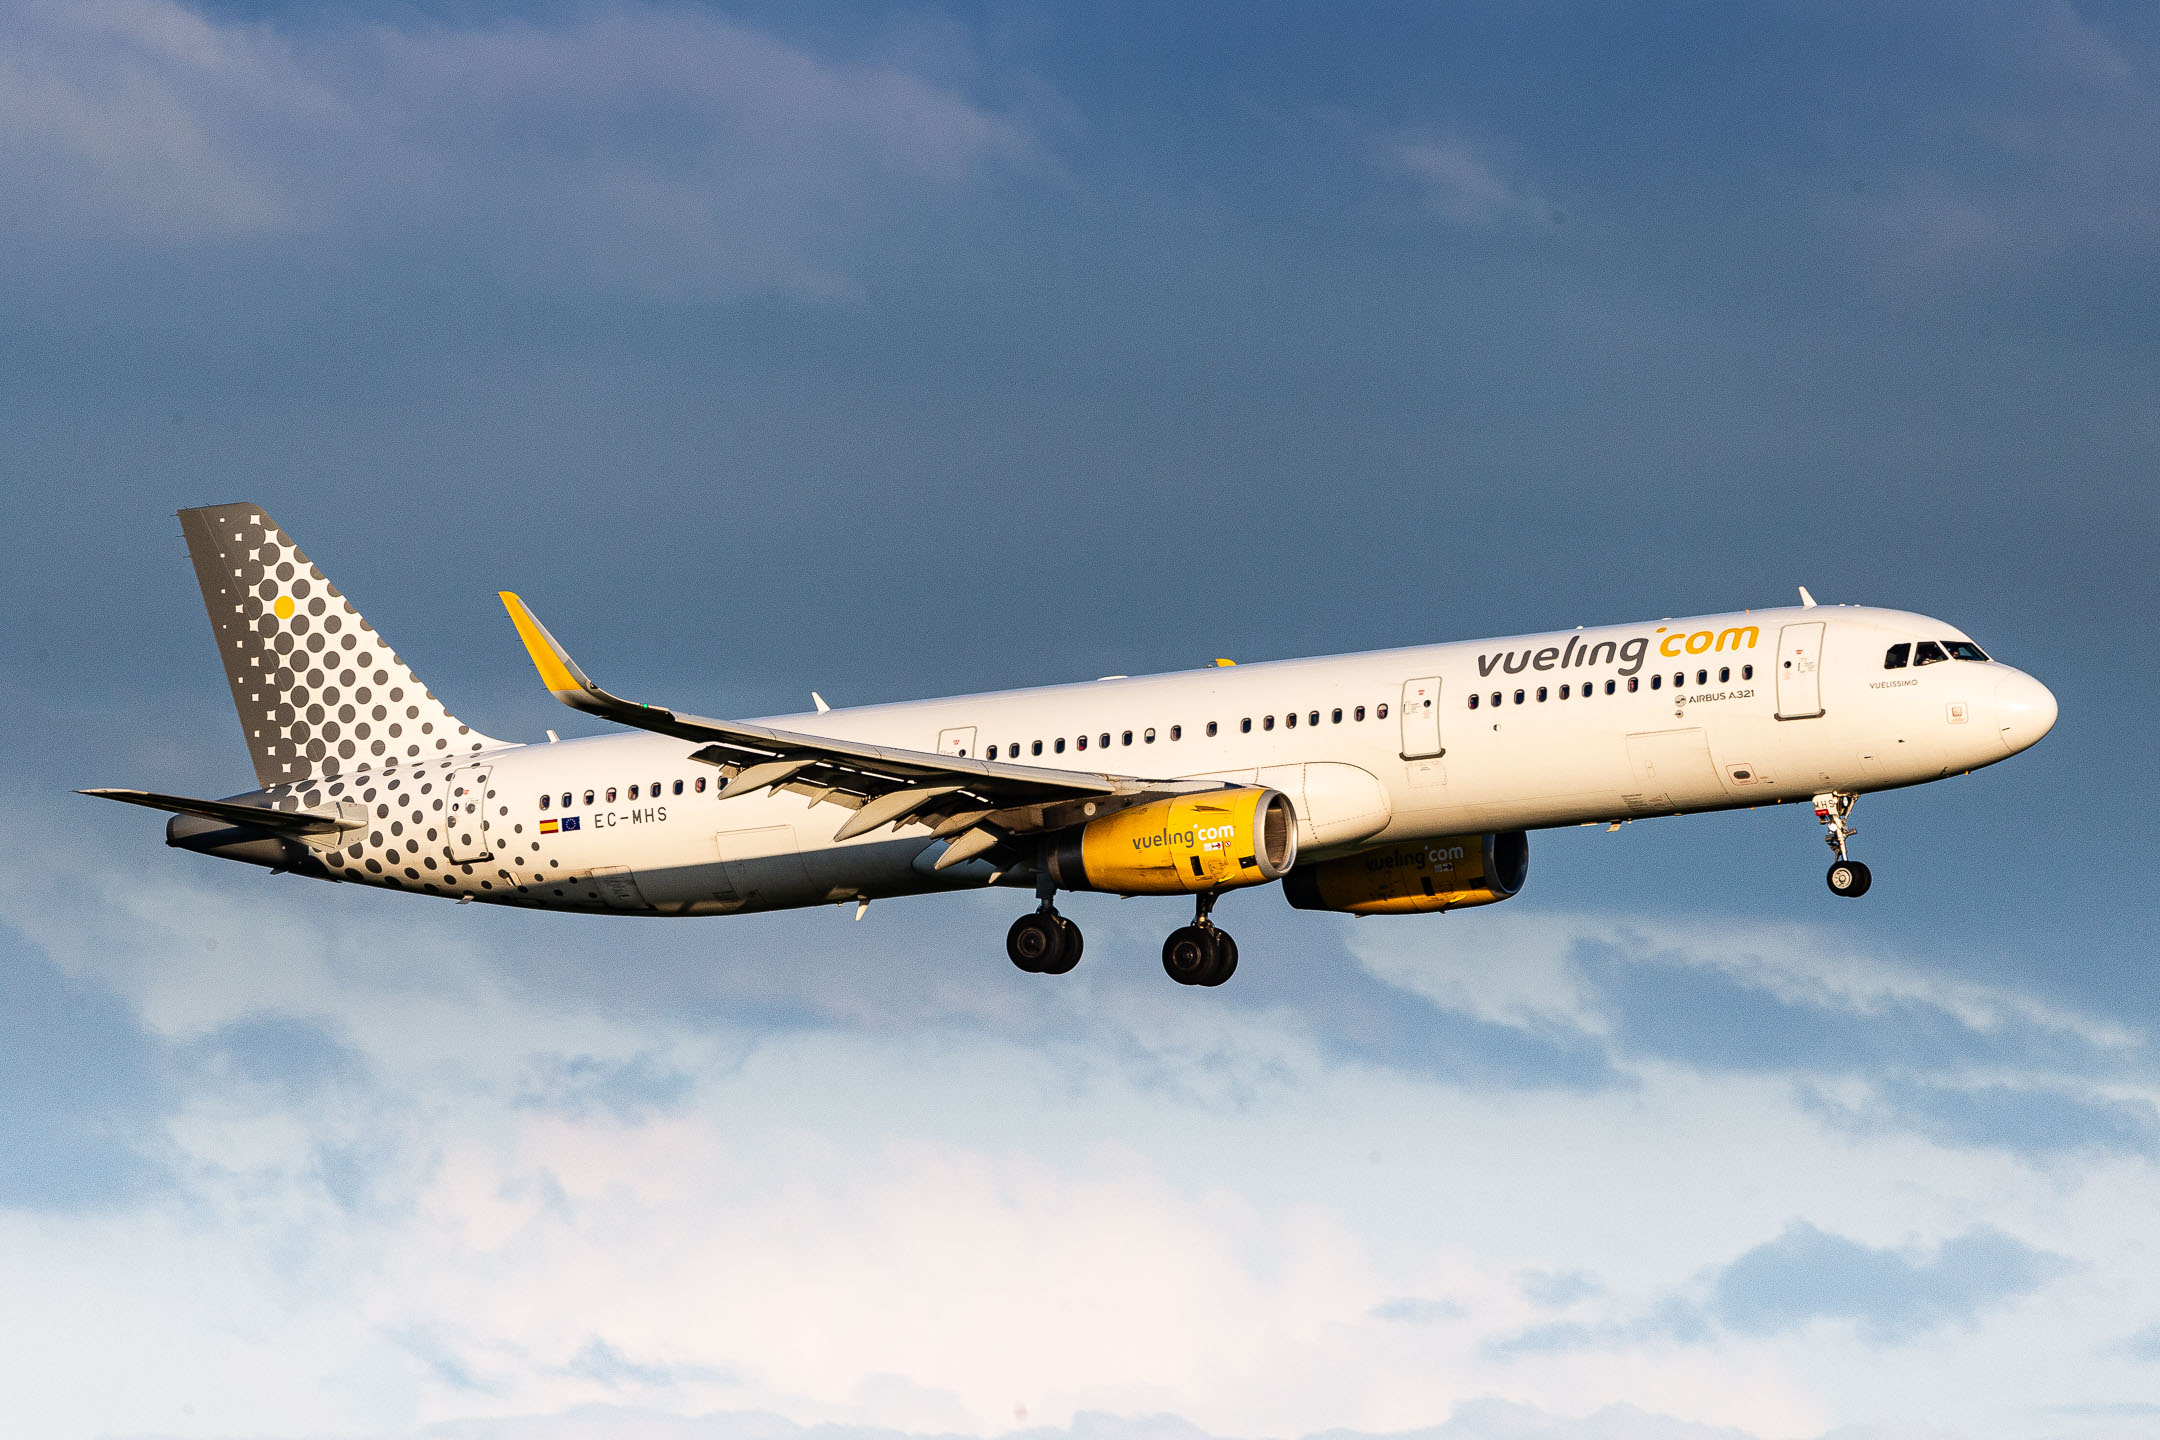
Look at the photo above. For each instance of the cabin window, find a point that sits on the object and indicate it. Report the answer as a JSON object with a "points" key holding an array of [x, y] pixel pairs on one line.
{"points": [[1211, 729], [1380, 713], [633, 792], [1657, 682], [1724, 674], [1518, 697], [1335, 716], [1080, 743], [1245, 726], [1149, 735], [1290, 720], [1747, 672], [1563, 692], [1358, 714], [611, 794], [1634, 683], [1314, 718], [653, 790], [1126, 738], [1610, 687], [678, 787], [1702, 677], [1267, 722], [700, 785], [588, 797], [1105, 740], [1679, 679], [1060, 745], [1541, 694], [543, 802], [1964, 650], [1177, 732], [566, 799], [1473, 701]]}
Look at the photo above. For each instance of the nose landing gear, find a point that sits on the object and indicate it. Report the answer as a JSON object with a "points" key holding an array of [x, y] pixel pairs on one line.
{"points": [[1847, 877], [1199, 953]]}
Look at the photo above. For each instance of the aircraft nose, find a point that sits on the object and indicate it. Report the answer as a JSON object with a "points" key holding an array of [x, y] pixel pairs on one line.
{"points": [[2024, 708]]}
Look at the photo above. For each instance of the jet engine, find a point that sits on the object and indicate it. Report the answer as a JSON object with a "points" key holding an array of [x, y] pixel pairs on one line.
{"points": [[1213, 840], [1416, 876]]}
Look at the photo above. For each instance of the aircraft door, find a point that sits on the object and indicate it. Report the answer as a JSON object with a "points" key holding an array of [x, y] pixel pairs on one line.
{"points": [[960, 740], [1799, 674], [465, 815], [1421, 718]]}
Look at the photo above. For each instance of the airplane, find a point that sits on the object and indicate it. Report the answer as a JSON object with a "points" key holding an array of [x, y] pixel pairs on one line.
{"points": [[1391, 782]]}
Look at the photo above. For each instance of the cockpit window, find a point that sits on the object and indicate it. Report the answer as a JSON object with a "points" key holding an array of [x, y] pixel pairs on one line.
{"points": [[1964, 650], [1899, 657], [1927, 652]]}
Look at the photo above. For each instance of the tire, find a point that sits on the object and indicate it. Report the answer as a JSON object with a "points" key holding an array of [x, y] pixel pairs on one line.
{"points": [[1035, 942], [1070, 944], [1225, 960], [1850, 879], [1188, 955]]}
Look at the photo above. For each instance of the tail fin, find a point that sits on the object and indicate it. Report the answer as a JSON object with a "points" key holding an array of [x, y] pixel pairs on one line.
{"points": [[318, 691]]}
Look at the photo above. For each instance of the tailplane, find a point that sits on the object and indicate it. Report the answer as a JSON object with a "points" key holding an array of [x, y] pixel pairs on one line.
{"points": [[318, 691]]}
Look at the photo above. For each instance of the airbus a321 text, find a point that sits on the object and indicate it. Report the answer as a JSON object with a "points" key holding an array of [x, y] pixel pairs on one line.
{"points": [[1391, 782]]}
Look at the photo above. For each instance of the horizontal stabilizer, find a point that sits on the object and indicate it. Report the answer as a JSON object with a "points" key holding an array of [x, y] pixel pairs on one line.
{"points": [[277, 822]]}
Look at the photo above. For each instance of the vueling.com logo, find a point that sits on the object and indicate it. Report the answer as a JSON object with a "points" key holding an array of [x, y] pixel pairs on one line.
{"points": [[1628, 654]]}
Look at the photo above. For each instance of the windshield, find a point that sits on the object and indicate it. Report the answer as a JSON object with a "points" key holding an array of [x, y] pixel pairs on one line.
{"points": [[1964, 650], [1927, 652]]}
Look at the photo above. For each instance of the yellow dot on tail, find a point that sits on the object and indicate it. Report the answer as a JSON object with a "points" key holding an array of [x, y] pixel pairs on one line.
{"points": [[283, 608]]}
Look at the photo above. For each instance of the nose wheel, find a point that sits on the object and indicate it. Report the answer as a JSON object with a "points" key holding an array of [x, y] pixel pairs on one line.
{"points": [[1200, 953], [1847, 877]]}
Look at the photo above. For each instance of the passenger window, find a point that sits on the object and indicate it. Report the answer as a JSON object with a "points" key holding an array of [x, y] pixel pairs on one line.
{"points": [[1609, 686], [1036, 748], [1149, 735], [653, 790], [1267, 722], [990, 752], [588, 797], [678, 787], [1211, 729], [611, 794], [1081, 743], [1634, 683], [1496, 699], [1964, 650], [543, 802], [1702, 677], [1927, 652], [1747, 672], [1245, 725], [700, 786], [1380, 711], [1106, 740], [1358, 714], [1335, 718], [633, 792], [1126, 738], [1060, 745], [1657, 682], [1563, 692], [1314, 718], [1291, 720], [1177, 732], [1679, 680], [1541, 694], [1518, 697], [1473, 701], [566, 799], [1724, 674]]}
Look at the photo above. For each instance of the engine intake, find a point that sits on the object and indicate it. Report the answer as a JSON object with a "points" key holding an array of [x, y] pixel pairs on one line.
{"points": [[1416, 877], [1215, 840]]}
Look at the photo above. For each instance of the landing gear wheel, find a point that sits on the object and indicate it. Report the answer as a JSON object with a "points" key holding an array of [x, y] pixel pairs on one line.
{"points": [[1850, 879], [1189, 955], [1070, 944], [1036, 943]]}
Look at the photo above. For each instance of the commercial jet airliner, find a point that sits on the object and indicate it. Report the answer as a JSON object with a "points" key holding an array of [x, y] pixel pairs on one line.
{"points": [[1387, 783]]}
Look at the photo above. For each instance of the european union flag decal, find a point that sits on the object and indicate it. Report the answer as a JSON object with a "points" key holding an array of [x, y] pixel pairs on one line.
{"points": [[570, 822]]}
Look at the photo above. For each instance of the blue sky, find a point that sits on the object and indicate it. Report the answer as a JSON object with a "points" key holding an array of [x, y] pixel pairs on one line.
{"points": [[897, 351]]}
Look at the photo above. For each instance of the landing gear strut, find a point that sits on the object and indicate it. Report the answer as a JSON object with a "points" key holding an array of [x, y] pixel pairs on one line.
{"points": [[1045, 942], [1200, 954], [1848, 877]]}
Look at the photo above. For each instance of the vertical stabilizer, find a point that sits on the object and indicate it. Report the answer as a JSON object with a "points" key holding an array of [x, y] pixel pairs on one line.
{"points": [[318, 691]]}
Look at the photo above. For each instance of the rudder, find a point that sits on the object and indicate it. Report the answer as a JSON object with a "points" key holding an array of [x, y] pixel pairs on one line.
{"points": [[318, 691]]}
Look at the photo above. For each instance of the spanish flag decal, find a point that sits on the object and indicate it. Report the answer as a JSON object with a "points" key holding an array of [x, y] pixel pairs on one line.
{"points": [[547, 827]]}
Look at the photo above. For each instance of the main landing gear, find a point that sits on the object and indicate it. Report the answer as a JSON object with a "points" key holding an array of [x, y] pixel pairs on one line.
{"points": [[1848, 877], [1044, 943], [1200, 954]]}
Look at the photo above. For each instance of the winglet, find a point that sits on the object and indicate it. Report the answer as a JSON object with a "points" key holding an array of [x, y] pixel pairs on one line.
{"points": [[1807, 601], [557, 670]]}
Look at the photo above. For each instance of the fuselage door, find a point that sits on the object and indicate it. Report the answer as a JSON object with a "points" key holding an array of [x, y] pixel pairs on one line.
{"points": [[1421, 718], [1799, 672], [960, 740], [465, 816]]}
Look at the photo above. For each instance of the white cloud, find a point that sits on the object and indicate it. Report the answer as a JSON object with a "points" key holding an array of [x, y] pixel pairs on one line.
{"points": [[655, 150], [1463, 185]]}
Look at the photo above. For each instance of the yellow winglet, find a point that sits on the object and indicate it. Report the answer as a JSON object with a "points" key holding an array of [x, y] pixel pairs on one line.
{"points": [[557, 670]]}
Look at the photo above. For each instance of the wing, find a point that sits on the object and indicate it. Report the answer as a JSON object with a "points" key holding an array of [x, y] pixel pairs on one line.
{"points": [[980, 803]]}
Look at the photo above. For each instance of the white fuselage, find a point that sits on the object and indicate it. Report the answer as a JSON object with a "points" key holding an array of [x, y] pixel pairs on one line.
{"points": [[1583, 725]]}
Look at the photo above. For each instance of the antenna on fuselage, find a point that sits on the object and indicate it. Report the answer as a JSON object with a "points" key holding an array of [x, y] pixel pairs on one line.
{"points": [[819, 700], [1807, 601]]}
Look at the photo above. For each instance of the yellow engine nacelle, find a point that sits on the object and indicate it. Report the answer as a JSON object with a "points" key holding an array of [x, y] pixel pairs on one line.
{"points": [[1416, 876], [1215, 840]]}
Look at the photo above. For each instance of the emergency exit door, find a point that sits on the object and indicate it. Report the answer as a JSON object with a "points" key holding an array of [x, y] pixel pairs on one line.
{"points": [[1421, 718], [1799, 671], [465, 816]]}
